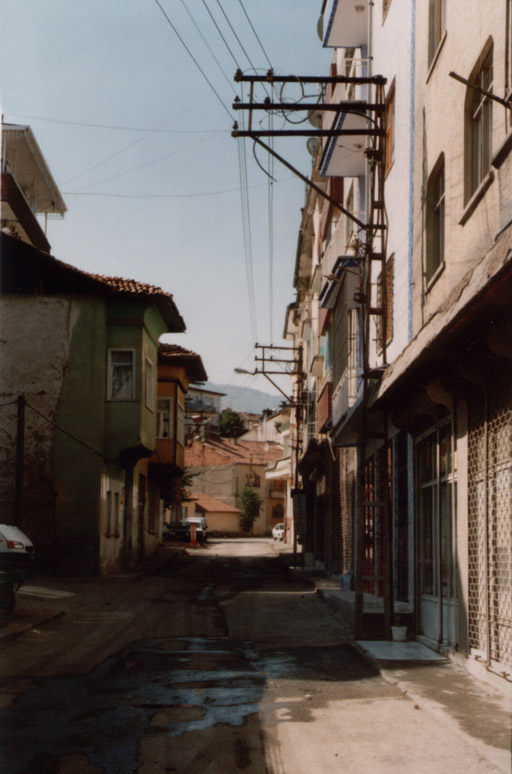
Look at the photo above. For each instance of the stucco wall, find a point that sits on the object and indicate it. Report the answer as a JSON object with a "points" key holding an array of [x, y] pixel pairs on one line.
{"points": [[440, 112], [78, 461], [34, 350]]}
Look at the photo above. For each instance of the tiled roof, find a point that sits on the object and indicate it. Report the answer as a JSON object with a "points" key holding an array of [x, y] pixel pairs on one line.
{"points": [[223, 451], [133, 287], [210, 504], [174, 355], [170, 350]]}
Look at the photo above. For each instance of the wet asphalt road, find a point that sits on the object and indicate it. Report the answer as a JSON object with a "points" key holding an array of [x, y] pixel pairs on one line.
{"points": [[197, 696]]}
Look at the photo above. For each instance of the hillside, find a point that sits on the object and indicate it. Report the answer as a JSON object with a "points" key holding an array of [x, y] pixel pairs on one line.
{"points": [[246, 399]]}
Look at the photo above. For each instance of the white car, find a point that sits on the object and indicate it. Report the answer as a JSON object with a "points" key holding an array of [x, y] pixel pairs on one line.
{"points": [[16, 549], [278, 532]]}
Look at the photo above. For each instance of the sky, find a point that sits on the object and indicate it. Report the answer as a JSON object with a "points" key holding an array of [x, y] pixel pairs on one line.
{"points": [[136, 130]]}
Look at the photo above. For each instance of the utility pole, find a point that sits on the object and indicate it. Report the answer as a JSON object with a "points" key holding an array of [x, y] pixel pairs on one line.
{"points": [[20, 460]]}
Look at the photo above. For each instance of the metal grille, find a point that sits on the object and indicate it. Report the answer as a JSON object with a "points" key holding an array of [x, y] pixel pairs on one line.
{"points": [[490, 521]]}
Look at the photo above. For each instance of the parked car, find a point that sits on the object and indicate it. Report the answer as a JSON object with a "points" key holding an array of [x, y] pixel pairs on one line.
{"points": [[16, 549], [16, 559], [278, 532], [180, 531]]}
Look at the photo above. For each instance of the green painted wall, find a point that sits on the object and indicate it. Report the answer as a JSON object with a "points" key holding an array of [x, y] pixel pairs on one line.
{"points": [[77, 471]]}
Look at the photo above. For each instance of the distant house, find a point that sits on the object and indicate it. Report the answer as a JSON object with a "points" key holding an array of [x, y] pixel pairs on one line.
{"points": [[203, 409], [80, 357], [176, 368], [222, 467], [221, 518]]}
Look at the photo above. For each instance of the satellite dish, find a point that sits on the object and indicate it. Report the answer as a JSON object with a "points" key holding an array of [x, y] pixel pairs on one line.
{"points": [[315, 118], [320, 27], [313, 145]]}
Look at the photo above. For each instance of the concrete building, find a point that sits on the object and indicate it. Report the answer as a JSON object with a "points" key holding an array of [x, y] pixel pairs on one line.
{"points": [[405, 445], [222, 467]]}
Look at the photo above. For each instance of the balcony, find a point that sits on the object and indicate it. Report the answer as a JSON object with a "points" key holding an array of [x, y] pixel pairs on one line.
{"points": [[344, 24], [345, 156]]}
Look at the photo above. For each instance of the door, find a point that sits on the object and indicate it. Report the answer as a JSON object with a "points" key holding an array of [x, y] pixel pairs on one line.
{"points": [[436, 492]]}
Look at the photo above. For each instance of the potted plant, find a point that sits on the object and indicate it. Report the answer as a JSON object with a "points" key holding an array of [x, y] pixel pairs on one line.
{"points": [[399, 629]]}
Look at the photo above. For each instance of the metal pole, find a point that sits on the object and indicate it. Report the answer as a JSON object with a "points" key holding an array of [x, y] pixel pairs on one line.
{"points": [[20, 460]]}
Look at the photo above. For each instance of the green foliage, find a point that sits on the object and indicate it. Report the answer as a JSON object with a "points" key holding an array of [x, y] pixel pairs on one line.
{"points": [[250, 504], [231, 424]]}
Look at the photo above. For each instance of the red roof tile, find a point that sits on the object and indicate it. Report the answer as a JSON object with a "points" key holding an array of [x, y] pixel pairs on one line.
{"points": [[212, 505], [223, 451]]}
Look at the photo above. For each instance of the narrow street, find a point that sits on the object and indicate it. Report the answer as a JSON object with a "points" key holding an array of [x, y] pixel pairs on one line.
{"points": [[223, 663]]}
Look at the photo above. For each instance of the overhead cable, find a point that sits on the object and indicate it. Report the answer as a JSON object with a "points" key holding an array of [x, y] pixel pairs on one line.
{"points": [[191, 55], [255, 34], [127, 147], [212, 17], [229, 80]]}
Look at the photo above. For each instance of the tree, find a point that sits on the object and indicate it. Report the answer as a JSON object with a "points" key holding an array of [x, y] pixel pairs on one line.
{"points": [[231, 424], [250, 502]]}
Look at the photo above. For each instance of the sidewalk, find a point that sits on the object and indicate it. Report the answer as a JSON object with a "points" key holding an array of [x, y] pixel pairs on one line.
{"points": [[436, 683]]}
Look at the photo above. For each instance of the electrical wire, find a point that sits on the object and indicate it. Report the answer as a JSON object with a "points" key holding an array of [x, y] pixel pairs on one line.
{"points": [[233, 57], [177, 152], [236, 36], [167, 196], [69, 435], [127, 147], [230, 82], [189, 52], [270, 203], [255, 34], [246, 223], [119, 128]]}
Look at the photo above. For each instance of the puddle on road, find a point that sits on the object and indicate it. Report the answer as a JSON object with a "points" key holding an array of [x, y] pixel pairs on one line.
{"points": [[169, 687]]}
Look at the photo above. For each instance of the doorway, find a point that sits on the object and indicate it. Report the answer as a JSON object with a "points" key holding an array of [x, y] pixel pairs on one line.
{"points": [[436, 498]]}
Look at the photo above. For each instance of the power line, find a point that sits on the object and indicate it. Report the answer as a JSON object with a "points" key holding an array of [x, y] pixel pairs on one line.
{"points": [[168, 196], [142, 166], [119, 128], [127, 147], [212, 17], [189, 52], [236, 36], [230, 82], [65, 432], [255, 34]]}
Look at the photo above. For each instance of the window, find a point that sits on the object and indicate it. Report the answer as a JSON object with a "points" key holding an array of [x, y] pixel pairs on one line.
{"points": [[435, 219], [150, 385], [390, 131], [479, 135], [436, 26], [164, 427], [253, 479], [121, 374]]}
